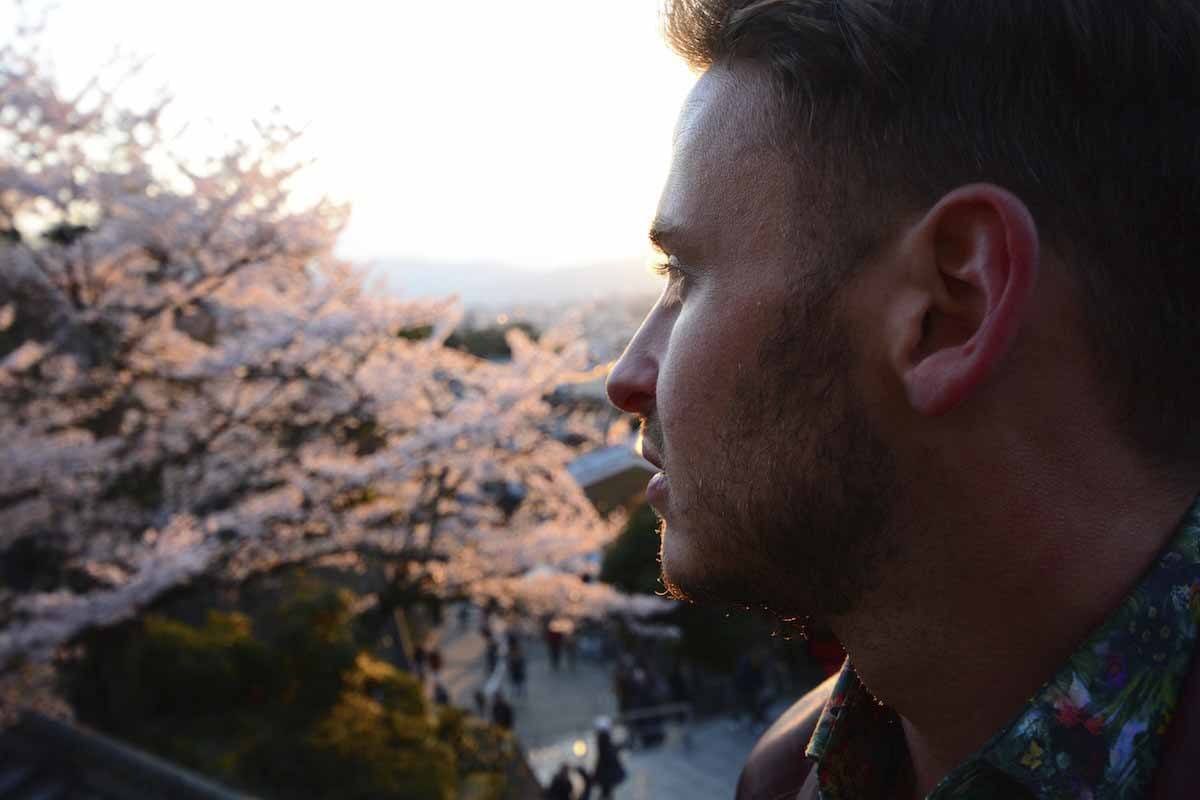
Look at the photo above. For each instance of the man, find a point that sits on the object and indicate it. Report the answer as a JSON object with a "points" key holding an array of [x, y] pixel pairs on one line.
{"points": [[924, 371]]}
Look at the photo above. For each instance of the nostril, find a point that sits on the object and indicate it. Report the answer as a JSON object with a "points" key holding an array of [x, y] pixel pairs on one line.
{"points": [[633, 402], [618, 392], [631, 391]]}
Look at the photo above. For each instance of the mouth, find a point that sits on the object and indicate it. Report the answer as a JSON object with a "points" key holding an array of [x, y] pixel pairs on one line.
{"points": [[657, 491], [657, 488], [648, 452]]}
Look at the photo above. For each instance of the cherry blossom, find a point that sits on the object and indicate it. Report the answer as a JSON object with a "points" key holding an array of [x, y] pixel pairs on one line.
{"points": [[192, 383]]}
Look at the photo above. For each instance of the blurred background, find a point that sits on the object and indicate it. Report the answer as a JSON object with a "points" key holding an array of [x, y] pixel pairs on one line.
{"points": [[308, 482]]}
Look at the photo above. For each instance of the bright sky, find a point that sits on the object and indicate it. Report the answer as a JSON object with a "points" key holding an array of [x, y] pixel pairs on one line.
{"points": [[535, 133]]}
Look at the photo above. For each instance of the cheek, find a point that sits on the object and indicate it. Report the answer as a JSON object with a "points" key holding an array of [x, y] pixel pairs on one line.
{"points": [[710, 359]]}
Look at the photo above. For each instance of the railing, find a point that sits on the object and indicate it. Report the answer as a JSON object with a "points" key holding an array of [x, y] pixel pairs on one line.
{"points": [[103, 764], [522, 783], [636, 720]]}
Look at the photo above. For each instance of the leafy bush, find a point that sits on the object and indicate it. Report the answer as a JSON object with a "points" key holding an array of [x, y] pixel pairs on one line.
{"points": [[631, 560], [286, 705]]}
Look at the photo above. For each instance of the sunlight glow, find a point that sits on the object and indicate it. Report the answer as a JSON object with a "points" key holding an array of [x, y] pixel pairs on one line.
{"points": [[534, 133]]}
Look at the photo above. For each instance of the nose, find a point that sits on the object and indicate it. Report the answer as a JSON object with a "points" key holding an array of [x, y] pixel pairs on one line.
{"points": [[631, 383]]}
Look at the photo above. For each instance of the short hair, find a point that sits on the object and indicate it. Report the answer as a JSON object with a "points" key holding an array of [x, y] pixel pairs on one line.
{"points": [[1088, 110]]}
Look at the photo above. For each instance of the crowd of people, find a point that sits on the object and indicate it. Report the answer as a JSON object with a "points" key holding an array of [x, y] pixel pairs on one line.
{"points": [[651, 690], [653, 686], [505, 682], [639, 688], [575, 783]]}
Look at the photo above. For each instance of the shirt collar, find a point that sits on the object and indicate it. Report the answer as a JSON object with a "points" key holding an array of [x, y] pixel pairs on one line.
{"points": [[1097, 725], [1094, 728]]}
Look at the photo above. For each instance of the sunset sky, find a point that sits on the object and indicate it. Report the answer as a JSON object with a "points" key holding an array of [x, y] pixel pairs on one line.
{"points": [[535, 133]]}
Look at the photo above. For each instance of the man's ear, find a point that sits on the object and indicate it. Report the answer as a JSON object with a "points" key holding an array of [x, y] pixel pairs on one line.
{"points": [[974, 262]]}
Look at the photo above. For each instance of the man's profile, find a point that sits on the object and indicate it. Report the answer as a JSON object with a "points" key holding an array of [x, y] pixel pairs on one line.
{"points": [[925, 371]]}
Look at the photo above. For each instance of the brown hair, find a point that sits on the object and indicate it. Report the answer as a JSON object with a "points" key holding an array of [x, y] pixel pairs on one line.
{"points": [[1089, 110]]}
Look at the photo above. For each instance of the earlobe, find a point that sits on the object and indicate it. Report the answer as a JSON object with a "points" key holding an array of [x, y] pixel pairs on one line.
{"points": [[975, 261]]}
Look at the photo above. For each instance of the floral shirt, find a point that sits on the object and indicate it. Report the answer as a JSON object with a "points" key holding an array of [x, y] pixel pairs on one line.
{"points": [[1094, 730]]}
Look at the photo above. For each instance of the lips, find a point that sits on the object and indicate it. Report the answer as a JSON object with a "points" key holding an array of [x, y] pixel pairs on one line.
{"points": [[657, 488], [657, 491], [651, 454]]}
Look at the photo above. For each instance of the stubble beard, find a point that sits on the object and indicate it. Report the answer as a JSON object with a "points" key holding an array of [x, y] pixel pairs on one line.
{"points": [[790, 513]]}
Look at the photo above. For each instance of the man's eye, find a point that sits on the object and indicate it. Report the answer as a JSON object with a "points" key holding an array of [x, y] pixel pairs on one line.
{"points": [[676, 280], [667, 269]]}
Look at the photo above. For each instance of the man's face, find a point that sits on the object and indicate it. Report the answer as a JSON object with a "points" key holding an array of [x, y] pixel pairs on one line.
{"points": [[775, 489]]}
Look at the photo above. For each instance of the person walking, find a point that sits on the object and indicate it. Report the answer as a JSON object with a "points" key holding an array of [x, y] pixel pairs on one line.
{"points": [[560, 787], [517, 667], [750, 680], [502, 712], [571, 647], [434, 658], [609, 772], [491, 652], [554, 644], [418, 660]]}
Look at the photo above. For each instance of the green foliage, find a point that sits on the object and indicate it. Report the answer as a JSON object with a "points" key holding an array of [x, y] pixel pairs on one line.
{"points": [[631, 560], [712, 637], [221, 663], [397, 691], [480, 746], [284, 705], [483, 786], [311, 638], [361, 748], [715, 638], [489, 342], [417, 334]]}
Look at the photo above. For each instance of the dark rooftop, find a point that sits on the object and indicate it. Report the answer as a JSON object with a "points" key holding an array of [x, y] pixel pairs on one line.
{"points": [[44, 759]]}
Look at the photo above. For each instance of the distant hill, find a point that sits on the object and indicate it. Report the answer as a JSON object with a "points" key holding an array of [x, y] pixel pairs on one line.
{"points": [[481, 285]]}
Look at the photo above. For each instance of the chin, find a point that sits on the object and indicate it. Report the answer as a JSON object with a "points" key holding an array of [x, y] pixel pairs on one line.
{"points": [[694, 570], [678, 566], [710, 570], [671, 569]]}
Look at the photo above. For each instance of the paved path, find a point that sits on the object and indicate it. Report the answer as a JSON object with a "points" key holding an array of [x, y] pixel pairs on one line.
{"points": [[554, 704], [555, 718], [705, 766]]}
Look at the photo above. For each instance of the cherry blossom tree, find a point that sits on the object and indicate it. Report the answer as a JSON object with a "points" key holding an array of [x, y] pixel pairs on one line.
{"points": [[191, 383]]}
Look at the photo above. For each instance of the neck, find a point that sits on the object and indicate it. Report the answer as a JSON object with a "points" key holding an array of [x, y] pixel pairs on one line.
{"points": [[958, 650]]}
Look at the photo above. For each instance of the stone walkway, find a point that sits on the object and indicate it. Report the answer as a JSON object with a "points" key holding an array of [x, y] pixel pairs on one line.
{"points": [[555, 719], [554, 704], [703, 765]]}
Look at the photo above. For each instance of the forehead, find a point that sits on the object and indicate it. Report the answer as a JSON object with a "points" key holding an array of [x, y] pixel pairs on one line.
{"points": [[724, 174], [724, 102]]}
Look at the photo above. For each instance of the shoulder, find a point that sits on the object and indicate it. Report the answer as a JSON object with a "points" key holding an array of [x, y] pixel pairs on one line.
{"points": [[776, 767]]}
